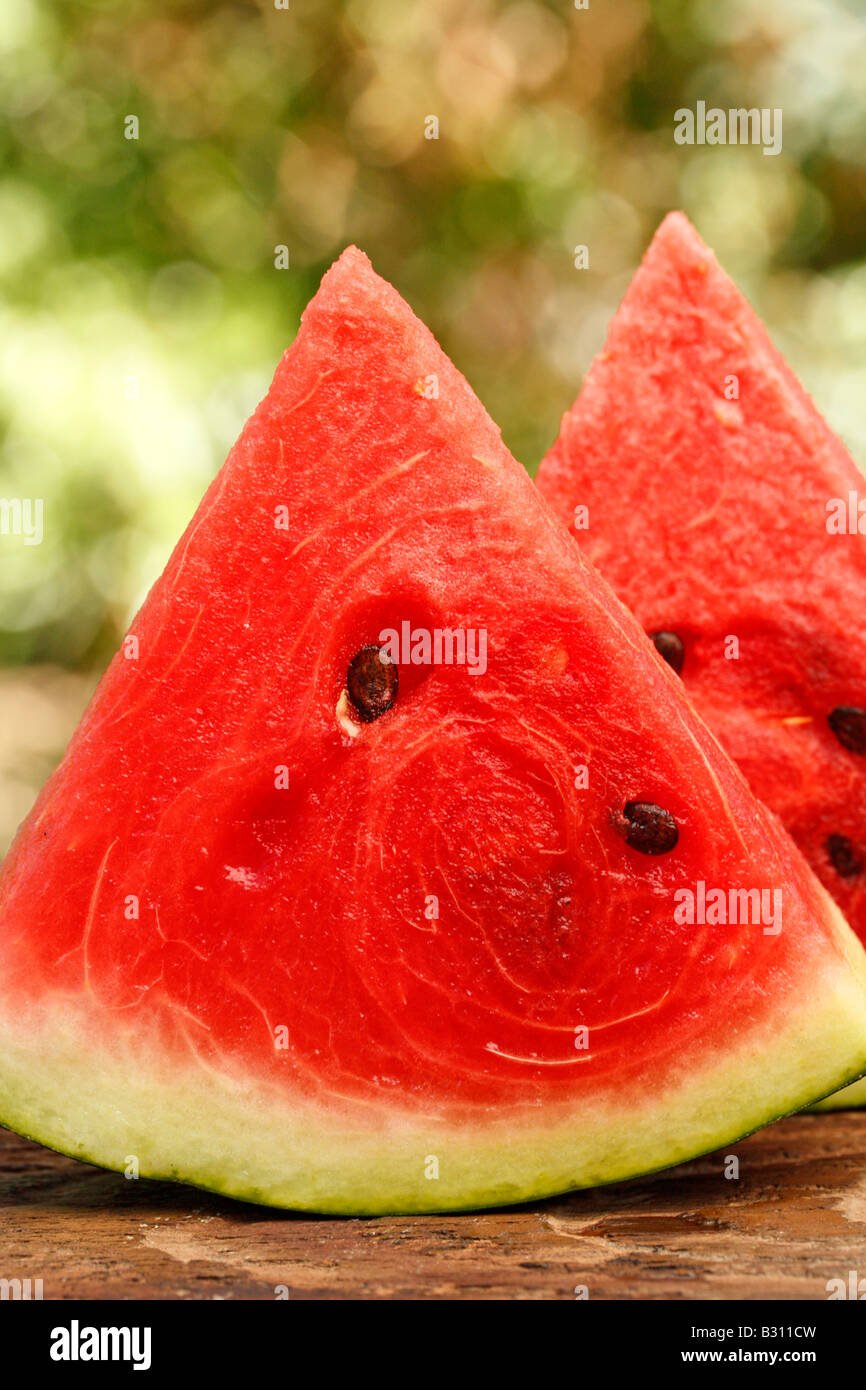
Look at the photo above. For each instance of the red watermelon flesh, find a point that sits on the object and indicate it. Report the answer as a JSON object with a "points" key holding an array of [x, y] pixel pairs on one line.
{"points": [[418, 960], [720, 506]]}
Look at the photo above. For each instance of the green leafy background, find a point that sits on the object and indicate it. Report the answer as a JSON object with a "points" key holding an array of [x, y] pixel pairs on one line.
{"points": [[153, 259]]}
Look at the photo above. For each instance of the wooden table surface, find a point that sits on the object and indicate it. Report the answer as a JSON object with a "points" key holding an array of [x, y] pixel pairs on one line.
{"points": [[795, 1218]]}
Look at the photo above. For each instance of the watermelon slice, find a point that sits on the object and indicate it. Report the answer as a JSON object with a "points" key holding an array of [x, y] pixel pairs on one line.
{"points": [[315, 919], [728, 517]]}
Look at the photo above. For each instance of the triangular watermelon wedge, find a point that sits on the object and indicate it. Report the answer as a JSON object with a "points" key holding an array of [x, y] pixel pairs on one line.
{"points": [[732, 522], [315, 930]]}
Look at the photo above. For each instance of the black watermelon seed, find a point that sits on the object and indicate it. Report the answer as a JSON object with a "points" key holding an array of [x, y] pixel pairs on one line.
{"points": [[670, 646], [842, 856], [647, 828], [849, 725], [372, 683]]}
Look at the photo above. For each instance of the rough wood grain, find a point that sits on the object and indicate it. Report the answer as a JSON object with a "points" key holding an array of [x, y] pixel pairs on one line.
{"points": [[795, 1218]]}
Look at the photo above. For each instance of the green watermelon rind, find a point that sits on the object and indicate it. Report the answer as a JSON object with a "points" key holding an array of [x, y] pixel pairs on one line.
{"points": [[301, 1157], [853, 1097]]}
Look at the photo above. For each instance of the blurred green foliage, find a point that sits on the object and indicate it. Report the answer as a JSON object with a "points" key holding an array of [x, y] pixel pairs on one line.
{"points": [[141, 314]]}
